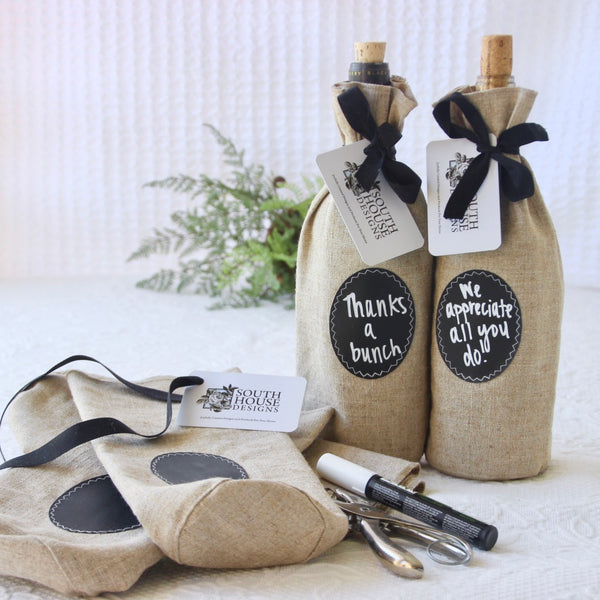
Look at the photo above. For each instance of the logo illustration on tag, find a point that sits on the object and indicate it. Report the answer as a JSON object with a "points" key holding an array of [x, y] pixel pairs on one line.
{"points": [[218, 399], [352, 183], [456, 169], [379, 223], [234, 398], [479, 230], [243, 401], [478, 325], [372, 322]]}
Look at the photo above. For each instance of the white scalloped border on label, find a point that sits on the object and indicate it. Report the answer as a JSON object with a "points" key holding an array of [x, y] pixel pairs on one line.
{"points": [[478, 325], [372, 322]]}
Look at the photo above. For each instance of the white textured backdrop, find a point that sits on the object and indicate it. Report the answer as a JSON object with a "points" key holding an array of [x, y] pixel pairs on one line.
{"points": [[98, 97]]}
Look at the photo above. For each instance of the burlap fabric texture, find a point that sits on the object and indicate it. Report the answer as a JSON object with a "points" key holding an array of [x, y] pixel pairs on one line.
{"points": [[500, 428], [280, 515], [34, 543], [273, 513], [388, 414]]}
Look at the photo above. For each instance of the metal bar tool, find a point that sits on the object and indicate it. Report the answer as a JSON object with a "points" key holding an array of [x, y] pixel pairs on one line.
{"points": [[379, 529]]}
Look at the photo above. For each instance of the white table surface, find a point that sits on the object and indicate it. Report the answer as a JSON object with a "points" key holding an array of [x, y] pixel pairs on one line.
{"points": [[549, 526]]}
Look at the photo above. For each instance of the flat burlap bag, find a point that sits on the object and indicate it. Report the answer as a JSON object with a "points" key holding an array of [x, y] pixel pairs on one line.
{"points": [[498, 425], [400, 471], [41, 506], [387, 413], [41, 539], [312, 423], [214, 498]]}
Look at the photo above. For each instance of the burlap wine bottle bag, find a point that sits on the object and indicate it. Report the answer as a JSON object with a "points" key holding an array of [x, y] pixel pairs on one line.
{"points": [[381, 405], [496, 323], [63, 524]]}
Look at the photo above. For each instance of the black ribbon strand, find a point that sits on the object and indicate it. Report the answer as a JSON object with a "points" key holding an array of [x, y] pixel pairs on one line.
{"points": [[516, 181], [380, 153], [92, 429]]}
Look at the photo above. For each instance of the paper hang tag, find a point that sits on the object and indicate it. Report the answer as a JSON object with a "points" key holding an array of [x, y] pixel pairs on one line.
{"points": [[479, 230], [243, 401], [380, 224]]}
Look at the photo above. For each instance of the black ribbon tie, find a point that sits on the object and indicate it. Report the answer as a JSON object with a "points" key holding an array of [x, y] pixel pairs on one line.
{"points": [[380, 153], [516, 180], [93, 429]]}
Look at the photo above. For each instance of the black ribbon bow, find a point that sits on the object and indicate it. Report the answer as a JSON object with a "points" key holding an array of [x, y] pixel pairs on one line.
{"points": [[380, 153], [516, 181]]}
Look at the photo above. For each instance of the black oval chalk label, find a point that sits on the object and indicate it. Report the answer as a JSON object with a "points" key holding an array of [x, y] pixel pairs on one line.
{"points": [[93, 506], [185, 467], [478, 325], [372, 322]]}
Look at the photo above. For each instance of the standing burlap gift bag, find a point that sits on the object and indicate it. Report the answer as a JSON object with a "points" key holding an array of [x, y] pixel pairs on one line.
{"points": [[384, 410], [494, 374]]}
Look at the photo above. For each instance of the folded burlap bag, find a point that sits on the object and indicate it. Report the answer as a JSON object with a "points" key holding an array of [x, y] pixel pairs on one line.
{"points": [[63, 524], [215, 498], [311, 425], [385, 409], [493, 420], [391, 468], [79, 536]]}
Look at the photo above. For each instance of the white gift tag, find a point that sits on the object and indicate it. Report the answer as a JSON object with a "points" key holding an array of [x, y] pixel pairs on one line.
{"points": [[479, 230], [379, 222], [243, 401]]}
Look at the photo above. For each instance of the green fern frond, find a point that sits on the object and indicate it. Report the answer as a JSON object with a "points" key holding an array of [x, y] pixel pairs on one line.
{"points": [[233, 156], [182, 184], [161, 242], [159, 282], [237, 239]]}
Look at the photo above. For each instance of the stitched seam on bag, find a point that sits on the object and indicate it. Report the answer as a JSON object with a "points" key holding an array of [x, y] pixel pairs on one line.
{"points": [[63, 497], [314, 206], [185, 520], [313, 552], [59, 566]]}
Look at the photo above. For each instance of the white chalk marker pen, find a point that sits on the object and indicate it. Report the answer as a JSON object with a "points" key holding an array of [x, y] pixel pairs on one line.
{"points": [[357, 479]]}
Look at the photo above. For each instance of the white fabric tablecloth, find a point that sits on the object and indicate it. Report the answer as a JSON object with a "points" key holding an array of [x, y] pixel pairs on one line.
{"points": [[549, 540]]}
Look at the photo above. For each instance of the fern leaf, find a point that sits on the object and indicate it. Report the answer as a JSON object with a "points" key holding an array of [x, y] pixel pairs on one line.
{"points": [[159, 282], [159, 243], [182, 184], [238, 240]]}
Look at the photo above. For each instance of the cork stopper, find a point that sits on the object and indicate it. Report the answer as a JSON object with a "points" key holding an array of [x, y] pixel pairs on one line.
{"points": [[369, 52], [368, 65], [496, 62]]}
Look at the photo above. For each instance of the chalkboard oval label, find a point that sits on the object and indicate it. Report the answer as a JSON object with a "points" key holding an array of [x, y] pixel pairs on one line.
{"points": [[478, 325], [372, 322], [93, 506], [185, 467]]}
